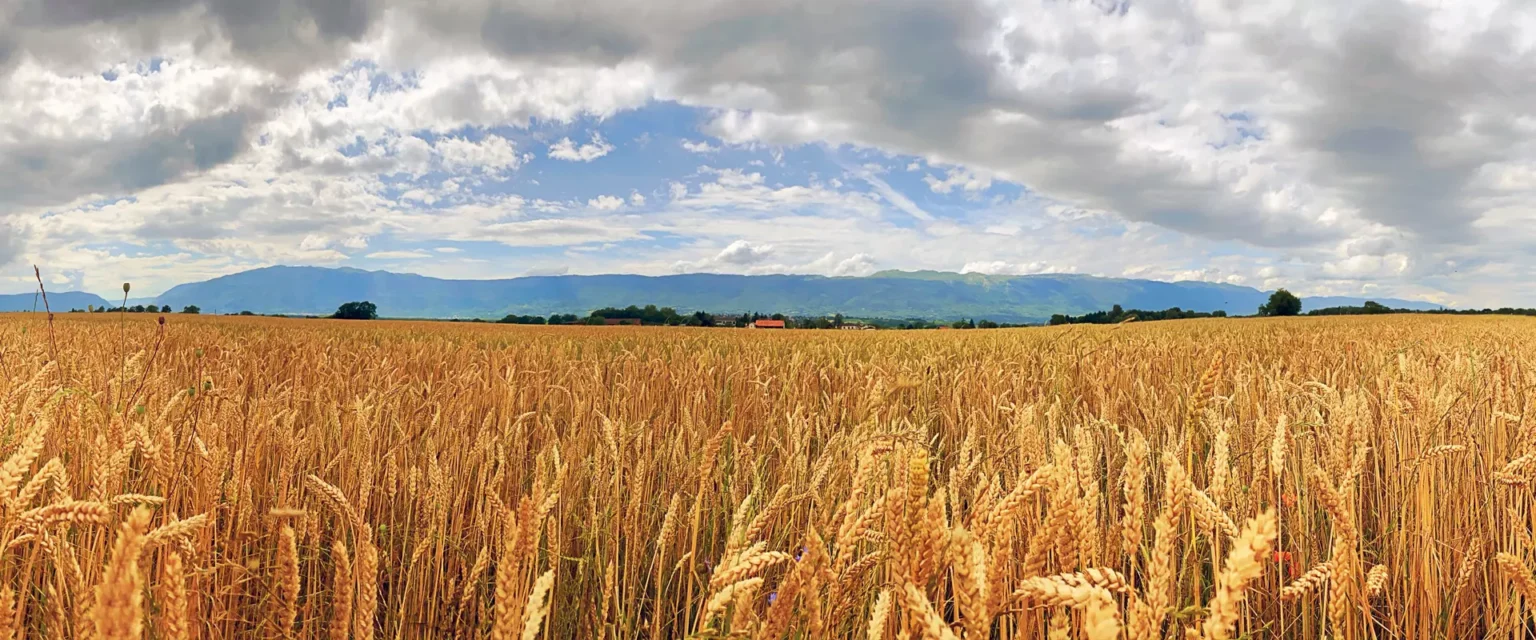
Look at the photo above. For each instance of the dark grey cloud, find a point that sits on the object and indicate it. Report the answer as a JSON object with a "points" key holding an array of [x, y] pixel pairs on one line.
{"points": [[283, 35], [919, 66], [197, 222], [8, 50], [1400, 127], [47, 171], [13, 240]]}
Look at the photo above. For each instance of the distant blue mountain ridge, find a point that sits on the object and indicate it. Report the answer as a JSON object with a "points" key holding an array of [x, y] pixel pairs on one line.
{"points": [[888, 294], [60, 301]]}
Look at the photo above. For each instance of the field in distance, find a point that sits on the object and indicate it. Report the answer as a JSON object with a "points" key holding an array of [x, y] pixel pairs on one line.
{"points": [[215, 477]]}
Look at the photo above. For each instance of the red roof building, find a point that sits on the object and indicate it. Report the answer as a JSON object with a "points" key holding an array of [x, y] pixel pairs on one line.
{"points": [[768, 324]]}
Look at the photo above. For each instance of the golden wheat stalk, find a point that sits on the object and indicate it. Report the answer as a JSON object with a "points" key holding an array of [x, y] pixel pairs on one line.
{"points": [[8, 617], [174, 617], [341, 592], [1518, 575], [723, 598], [1309, 582], [538, 606], [1245, 562], [928, 622], [287, 580], [119, 610], [880, 616]]}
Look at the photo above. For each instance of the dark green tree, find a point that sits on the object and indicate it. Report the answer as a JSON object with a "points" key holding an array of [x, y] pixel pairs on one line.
{"points": [[363, 310], [192, 309], [1281, 303]]}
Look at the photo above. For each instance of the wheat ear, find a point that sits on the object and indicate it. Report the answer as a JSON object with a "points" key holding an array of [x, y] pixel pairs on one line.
{"points": [[119, 610], [173, 600], [1244, 563]]}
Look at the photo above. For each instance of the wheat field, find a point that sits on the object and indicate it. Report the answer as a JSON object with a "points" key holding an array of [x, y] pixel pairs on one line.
{"points": [[264, 478]]}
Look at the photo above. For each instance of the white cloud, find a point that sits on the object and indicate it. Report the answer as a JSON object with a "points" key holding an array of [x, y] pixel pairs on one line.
{"points": [[491, 154], [399, 255], [734, 189], [635, 198], [965, 180], [567, 150], [859, 264], [740, 255], [556, 233], [606, 203], [893, 196], [1002, 268], [448, 250], [742, 252], [701, 146]]}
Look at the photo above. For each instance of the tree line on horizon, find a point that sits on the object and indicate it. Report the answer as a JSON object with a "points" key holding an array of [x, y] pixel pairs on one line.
{"points": [[1280, 303], [1374, 308], [139, 308], [667, 316]]}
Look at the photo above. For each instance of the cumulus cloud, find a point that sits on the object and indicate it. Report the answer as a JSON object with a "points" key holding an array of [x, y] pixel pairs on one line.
{"points": [[958, 178], [606, 203], [739, 256], [742, 252], [567, 150], [1004, 268], [491, 154], [702, 146], [860, 264]]}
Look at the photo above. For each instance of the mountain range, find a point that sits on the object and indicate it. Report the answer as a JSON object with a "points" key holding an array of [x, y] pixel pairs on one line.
{"points": [[887, 294], [58, 301]]}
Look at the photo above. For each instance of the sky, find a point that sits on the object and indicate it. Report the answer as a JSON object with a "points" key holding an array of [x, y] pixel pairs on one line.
{"points": [[1370, 147]]}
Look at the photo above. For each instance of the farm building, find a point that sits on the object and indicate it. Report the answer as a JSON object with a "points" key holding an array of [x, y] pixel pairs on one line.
{"points": [[767, 324]]}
